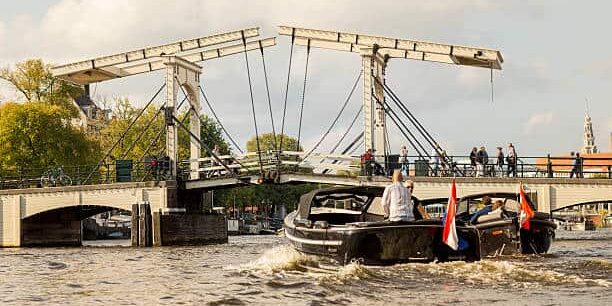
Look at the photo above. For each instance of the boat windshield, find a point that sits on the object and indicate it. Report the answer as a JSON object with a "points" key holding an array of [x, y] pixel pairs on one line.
{"points": [[472, 205], [341, 201]]}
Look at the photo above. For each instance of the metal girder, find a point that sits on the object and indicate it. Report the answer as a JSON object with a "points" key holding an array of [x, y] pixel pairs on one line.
{"points": [[113, 66], [197, 56], [395, 47]]}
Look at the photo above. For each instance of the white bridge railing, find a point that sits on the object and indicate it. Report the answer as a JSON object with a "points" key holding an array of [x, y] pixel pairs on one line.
{"points": [[285, 161]]}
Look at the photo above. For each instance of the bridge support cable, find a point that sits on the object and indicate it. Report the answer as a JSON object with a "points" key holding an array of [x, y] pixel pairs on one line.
{"points": [[192, 109], [127, 129], [424, 133], [246, 60], [331, 126], [146, 128], [280, 146], [204, 145], [212, 110], [303, 97], [265, 71], [158, 135], [350, 127], [358, 141], [405, 131], [432, 142]]}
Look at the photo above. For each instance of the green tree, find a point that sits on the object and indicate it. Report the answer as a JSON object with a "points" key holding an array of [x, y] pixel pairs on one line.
{"points": [[37, 135], [266, 143], [33, 79]]}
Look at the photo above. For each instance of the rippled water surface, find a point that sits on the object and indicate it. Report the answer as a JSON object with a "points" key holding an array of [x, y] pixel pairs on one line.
{"points": [[264, 270]]}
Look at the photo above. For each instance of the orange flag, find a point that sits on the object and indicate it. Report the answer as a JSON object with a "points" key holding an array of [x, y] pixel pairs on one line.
{"points": [[526, 210]]}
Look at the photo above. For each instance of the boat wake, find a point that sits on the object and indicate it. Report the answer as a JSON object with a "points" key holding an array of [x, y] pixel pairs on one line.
{"points": [[282, 261], [503, 273]]}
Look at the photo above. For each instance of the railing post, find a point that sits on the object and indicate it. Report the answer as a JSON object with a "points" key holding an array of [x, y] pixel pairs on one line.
{"points": [[549, 168]]}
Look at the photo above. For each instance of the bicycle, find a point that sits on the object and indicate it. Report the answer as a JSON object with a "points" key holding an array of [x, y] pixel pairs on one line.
{"points": [[55, 177]]}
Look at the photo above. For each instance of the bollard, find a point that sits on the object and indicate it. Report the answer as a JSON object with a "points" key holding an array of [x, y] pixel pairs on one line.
{"points": [[145, 238], [135, 225]]}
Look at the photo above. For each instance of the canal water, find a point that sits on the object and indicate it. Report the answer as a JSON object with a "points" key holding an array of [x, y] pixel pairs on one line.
{"points": [[264, 270]]}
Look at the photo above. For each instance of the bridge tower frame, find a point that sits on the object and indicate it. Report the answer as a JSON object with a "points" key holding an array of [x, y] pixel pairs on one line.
{"points": [[375, 52], [185, 74]]}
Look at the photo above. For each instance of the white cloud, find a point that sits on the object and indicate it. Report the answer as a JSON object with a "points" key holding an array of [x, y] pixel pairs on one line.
{"points": [[538, 120]]}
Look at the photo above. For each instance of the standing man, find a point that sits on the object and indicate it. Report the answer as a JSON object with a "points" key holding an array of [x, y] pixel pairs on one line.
{"points": [[473, 159], [480, 161], [512, 160], [577, 167], [396, 200], [366, 162], [404, 161], [500, 161]]}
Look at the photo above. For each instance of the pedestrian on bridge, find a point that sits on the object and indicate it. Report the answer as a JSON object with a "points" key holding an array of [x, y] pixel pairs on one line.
{"points": [[482, 159], [404, 161], [577, 167], [512, 159], [500, 161], [473, 159]]}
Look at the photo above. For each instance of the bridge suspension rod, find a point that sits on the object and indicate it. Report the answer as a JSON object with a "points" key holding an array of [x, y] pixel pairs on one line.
{"points": [[348, 98], [212, 110]]}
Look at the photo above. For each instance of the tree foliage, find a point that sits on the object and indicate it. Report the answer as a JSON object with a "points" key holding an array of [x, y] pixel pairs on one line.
{"points": [[35, 82], [37, 135], [266, 143]]}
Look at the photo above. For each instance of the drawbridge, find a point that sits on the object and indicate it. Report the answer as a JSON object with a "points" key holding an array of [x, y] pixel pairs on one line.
{"points": [[181, 59]]}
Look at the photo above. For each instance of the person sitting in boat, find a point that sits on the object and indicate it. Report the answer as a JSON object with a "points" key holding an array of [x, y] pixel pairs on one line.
{"points": [[396, 200], [489, 208], [417, 206]]}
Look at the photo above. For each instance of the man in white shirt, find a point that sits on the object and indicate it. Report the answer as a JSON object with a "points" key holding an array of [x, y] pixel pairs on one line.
{"points": [[396, 200]]}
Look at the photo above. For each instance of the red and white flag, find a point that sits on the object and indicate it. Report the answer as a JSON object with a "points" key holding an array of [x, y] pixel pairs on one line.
{"points": [[449, 235], [526, 211]]}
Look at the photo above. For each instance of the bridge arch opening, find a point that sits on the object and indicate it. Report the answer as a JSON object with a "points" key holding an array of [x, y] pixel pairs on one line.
{"points": [[60, 226]]}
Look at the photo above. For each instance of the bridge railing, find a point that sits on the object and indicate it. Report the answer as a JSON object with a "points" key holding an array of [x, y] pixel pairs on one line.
{"points": [[106, 173], [299, 162], [461, 166]]}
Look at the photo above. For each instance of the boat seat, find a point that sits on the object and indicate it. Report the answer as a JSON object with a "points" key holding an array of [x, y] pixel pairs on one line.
{"points": [[494, 215]]}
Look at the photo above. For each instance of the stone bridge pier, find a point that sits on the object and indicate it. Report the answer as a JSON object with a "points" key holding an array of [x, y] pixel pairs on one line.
{"points": [[52, 216]]}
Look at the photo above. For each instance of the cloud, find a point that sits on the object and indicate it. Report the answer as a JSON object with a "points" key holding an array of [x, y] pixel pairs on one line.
{"points": [[537, 121]]}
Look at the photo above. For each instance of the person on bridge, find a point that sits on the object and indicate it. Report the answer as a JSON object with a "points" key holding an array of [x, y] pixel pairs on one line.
{"points": [[500, 161], [473, 159], [366, 163], [482, 159], [397, 200], [512, 160], [404, 161], [577, 167]]}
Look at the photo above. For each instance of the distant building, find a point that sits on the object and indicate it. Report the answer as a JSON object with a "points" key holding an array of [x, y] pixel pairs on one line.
{"points": [[589, 146], [91, 117]]}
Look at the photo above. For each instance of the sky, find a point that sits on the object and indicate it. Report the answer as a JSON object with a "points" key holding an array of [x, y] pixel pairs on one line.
{"points": [[556, 57]]}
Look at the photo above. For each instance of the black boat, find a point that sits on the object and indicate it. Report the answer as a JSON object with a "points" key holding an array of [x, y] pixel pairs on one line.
{"points": [[347, 223], [499, 231]]}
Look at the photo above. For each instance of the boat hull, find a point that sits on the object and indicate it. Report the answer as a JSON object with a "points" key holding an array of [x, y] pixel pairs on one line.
{"points": [[382, 242]]}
